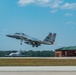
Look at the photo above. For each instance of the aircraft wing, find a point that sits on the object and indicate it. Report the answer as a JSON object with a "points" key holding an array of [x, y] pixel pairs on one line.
{"points": [[32, 41]]}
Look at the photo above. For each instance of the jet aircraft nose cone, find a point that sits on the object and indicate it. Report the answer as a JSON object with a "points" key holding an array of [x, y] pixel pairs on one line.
{"points": [[8, 35]]}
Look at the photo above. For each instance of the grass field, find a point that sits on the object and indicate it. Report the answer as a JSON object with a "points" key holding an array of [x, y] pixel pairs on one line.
{"points": [[37, 62]]}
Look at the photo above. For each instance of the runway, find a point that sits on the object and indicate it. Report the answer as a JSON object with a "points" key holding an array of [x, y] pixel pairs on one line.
{"points": [[38, 57], [38, 70], [37, 73]]}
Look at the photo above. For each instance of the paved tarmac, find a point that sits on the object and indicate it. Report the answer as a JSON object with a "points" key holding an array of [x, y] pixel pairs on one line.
{"points": [[37, 73], [38, 70], [37, 57]]}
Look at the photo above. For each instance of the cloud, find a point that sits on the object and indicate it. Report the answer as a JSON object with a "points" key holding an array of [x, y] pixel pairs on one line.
{"points": [[71, 6], [54, 5], [70, 22], [54, 11], [50, 3], [25, 2], [68, 14]]}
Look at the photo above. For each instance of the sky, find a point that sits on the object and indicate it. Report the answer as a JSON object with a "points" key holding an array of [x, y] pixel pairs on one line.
{"points": [[37, 18]]}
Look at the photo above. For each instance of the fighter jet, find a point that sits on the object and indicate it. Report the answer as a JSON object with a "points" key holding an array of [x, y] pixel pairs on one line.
{"points": [[49, 40], [15, 54]]}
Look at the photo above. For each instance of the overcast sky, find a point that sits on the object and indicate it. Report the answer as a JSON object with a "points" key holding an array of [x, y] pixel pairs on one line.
{"points": [[37, 18]]}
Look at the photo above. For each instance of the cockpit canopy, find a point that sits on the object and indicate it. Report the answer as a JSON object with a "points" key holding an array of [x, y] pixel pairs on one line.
{"points": [[20, 33]]}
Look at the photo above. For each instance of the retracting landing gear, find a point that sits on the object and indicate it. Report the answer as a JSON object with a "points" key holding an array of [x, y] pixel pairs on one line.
{"points": [[21, 42], [35, 44]]}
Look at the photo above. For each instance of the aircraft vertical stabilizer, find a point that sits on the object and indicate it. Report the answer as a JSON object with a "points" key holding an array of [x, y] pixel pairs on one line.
{"points": [[53, 37], [48, 38]]}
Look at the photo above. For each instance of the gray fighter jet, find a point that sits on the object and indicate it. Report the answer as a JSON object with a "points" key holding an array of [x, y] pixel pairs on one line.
{"points": [[49, 40]]}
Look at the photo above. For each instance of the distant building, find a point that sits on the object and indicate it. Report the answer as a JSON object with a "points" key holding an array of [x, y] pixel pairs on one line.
{"points": [[66, 52]]}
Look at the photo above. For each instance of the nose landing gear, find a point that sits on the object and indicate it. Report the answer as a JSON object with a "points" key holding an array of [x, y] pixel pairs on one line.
{"points": [[21, 42]]}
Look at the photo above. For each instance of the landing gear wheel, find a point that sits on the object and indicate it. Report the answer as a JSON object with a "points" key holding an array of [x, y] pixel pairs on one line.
{"points": [[36, 45]]}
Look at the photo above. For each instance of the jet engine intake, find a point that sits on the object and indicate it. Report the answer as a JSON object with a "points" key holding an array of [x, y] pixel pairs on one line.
{"points": [[28, 43]]}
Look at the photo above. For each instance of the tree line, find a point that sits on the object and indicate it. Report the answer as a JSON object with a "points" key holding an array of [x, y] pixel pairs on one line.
{"points": [[30, 53]]}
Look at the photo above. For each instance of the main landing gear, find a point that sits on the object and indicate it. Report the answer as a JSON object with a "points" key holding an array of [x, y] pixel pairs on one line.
{"points": [[21, 42]]}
